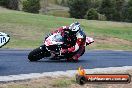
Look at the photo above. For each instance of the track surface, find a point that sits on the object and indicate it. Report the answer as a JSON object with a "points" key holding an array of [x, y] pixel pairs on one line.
{"points": [[13, 62]]}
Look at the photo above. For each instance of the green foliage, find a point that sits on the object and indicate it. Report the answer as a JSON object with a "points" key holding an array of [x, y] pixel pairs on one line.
{"points": [[4, 3], [11, 4], [101, 17], [31, 6], [119, 6], [95, 3], [92, 14], [129, 11], [64, 2], [108, 8], [129, 17], [130, 3], [117, 10], [78, 8], [61, 2]]}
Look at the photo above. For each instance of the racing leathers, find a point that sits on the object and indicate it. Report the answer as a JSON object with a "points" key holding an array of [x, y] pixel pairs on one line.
{"points": [[74, 43]]}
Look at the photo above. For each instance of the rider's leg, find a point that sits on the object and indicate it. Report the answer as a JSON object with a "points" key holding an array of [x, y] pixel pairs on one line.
{"points": [[79, 53], [75, 56]]}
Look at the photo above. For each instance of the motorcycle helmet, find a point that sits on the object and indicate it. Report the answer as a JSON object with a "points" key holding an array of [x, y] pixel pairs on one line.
{"points": [[75, 27]]}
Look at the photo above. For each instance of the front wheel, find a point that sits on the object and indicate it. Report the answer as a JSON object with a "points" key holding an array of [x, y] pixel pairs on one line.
{"points": [[36, 54]]}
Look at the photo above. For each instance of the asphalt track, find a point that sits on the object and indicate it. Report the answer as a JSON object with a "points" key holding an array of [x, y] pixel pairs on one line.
{"points": [[13, 62]]}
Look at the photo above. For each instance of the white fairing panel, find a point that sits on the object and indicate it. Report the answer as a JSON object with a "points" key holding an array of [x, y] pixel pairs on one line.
{"points": [[4, 39], [55, 39], [76, 47]]}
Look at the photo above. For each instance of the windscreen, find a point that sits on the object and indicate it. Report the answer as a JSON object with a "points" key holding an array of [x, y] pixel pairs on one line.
{"points": [[58, 38]]}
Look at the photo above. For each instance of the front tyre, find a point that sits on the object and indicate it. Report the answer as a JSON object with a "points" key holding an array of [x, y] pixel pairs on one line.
{"points": [[36, 54]]}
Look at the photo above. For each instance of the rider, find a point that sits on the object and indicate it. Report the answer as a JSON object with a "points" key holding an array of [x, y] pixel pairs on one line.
{"points": [[74, 40]]}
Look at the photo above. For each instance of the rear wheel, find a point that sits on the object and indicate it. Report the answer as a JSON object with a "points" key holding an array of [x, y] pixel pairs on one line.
{"points": [[36, 54]]}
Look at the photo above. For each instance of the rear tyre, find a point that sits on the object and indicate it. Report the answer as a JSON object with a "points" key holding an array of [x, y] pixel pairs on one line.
{"points": [[36, 54]]}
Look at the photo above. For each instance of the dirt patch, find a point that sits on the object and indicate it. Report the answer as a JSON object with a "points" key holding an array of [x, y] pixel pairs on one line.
{"points": [[111, 43], [44, 82], [111, 40]]}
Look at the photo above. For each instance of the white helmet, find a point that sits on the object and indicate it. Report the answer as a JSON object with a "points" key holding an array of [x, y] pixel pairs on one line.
{"points": [[75, 27]]}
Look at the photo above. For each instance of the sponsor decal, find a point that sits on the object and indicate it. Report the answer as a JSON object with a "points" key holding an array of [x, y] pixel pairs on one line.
{"points": [[83, 78], [4, 39]]}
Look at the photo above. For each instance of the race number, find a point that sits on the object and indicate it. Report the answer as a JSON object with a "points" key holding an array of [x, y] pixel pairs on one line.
{"points": [[4, 39]]}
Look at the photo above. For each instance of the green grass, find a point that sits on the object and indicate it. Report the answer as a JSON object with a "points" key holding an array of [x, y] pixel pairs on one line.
{"points": [[28, 30], [63, 83], [59, 13], [42, 83]]}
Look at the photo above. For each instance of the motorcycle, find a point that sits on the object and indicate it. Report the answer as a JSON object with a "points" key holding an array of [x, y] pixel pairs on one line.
{"points": [[52, 47]]}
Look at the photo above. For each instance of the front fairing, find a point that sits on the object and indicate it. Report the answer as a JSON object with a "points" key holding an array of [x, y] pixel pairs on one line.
{"points": [[55, 39]]}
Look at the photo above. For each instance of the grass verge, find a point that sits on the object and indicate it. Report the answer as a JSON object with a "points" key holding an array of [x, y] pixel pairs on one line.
{"points": [[61, 82], [28, 30]]}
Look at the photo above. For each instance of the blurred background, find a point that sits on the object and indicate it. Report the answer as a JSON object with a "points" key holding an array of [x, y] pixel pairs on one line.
{"points": [[28, 21], [113, 10]]}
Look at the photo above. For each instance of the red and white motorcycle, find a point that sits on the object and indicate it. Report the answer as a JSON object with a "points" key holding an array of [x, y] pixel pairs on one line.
{"points": [[52, 48]]}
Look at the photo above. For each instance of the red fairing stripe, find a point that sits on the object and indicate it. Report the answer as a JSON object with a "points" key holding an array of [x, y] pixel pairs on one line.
{"points": [[79, 41], [71, 49]]}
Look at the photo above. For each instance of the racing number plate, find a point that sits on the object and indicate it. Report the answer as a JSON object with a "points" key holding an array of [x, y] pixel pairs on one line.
{"points": [[4, 39]]}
